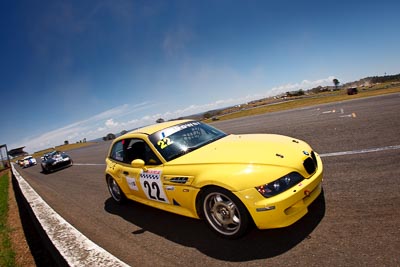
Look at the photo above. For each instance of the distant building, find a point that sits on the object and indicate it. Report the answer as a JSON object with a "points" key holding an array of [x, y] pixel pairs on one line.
{"points": [[17, 152]]}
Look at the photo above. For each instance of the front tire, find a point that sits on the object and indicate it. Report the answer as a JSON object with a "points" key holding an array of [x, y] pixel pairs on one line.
{"points": [[115, 191], [224, 213], [44, 170]]}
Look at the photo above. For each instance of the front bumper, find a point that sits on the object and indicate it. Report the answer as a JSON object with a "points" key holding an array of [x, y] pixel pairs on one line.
{"points": [[62, 164], [286, 208]]}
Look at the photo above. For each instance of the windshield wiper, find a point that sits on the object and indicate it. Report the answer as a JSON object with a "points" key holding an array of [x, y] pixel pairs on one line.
{"points": [[183, 152], [190, 149]]}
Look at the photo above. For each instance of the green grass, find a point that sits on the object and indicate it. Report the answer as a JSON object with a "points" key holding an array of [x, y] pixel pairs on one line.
{"points": [[317, 99], [7, 255]]}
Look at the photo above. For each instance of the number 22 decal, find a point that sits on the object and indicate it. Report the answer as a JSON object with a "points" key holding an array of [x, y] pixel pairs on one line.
{"points": [[154, 186], [163, 143]]}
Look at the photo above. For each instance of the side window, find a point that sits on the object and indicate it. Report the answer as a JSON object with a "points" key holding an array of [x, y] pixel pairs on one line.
{"points": [[151, 158], [134, 150], [138, 149], [117, 152]]}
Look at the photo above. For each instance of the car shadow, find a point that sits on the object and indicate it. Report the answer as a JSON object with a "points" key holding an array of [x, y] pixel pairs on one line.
{"points": [[257, 244], [55, 170]]}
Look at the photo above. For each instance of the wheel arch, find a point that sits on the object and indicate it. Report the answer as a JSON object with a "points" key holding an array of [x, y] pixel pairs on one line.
{"points": [[107, 176], [200, 196], [123, 197]]}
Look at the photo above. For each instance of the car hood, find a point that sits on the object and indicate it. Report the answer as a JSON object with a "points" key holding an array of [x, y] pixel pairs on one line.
{"points": [[54, 158], [264, 149]]}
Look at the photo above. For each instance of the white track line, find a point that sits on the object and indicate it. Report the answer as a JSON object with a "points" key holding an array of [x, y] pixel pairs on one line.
{"points": [[362, 151], [89, 164]]}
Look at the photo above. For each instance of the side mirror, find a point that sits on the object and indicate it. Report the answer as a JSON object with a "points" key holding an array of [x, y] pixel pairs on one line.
{"points": [[137, 163]]}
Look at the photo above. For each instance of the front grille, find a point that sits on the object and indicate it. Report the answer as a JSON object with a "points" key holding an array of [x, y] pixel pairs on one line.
{"points": [[310, 164], [314, 158], [63, 164]]}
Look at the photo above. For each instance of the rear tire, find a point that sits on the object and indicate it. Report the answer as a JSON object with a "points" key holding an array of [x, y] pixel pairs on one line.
{"points": [[115, 191]]}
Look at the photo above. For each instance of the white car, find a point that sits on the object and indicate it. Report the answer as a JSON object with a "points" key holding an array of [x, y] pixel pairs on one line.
{"points": [[29, 161]]}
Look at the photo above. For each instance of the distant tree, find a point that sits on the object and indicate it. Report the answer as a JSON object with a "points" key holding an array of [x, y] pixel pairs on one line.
{"points": [[207, 115], [160, 120], [109, 136], [336, 82], [66, 142], [386, 78]]}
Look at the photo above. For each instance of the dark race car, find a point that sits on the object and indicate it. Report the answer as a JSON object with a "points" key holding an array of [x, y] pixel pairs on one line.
{"points": [[55, 160]]}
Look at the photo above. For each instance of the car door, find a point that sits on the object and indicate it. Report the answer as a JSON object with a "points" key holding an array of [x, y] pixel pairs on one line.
{"points": [[144, 177]]}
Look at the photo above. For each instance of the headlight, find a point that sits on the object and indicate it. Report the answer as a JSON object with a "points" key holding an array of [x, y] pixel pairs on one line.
{"points": [[278, 186]]}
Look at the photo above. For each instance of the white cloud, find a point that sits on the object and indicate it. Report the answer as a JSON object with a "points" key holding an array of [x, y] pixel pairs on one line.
{"points": [[106, 122], [110, 123], [77, 131], [305, 84]]}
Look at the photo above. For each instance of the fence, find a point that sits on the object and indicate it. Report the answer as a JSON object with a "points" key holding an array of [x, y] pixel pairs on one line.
{"points": [[4, 159]]}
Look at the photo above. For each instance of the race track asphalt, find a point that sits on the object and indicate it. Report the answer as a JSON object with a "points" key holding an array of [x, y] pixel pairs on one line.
{"points": [[355, 222]]}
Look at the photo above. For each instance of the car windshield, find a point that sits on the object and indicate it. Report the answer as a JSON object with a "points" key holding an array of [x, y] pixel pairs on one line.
{"points": [[53, 154], [180, 139]]}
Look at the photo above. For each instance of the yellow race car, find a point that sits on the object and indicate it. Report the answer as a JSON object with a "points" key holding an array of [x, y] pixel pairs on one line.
{"points": [[232, 181]]}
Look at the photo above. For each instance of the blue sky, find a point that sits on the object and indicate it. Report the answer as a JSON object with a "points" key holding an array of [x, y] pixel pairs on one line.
{"points": [[81, 69]]}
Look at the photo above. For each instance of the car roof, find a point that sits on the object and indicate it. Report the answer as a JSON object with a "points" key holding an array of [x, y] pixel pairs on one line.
{"points": [[157, 127]]}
